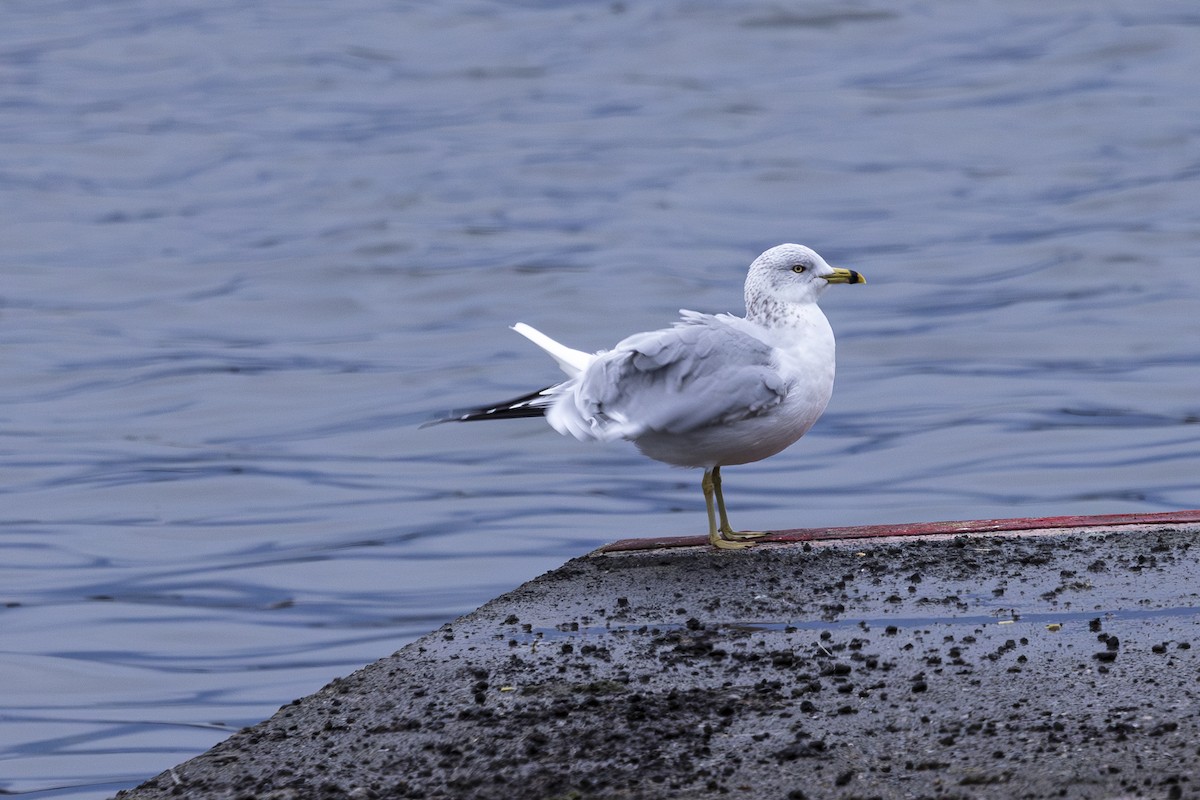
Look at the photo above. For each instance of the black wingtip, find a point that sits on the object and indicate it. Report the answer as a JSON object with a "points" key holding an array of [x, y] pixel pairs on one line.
{"points": [[527, 405]]}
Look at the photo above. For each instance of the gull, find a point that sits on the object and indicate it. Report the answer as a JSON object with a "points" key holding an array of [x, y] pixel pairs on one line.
{"points": [[713, 390]]}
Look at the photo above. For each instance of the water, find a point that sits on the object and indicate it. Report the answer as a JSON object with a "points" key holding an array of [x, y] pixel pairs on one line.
{"points": [[249, 246]]}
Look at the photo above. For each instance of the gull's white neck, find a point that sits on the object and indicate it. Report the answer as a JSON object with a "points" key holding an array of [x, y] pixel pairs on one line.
{"points": [[771, 312], [799, 333]]}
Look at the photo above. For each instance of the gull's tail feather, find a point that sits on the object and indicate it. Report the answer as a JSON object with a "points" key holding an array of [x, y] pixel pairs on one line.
{"points": [[571, 361], [527, 405]]}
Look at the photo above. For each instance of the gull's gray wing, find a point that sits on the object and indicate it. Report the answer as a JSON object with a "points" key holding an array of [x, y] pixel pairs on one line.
{"points": [[701, 372]]}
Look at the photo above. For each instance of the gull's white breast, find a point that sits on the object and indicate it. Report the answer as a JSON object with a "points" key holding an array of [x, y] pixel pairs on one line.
{"points": [[804, 353]]}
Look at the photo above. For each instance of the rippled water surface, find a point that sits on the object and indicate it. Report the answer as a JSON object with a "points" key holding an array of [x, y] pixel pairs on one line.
{"points": [[248, 247]]}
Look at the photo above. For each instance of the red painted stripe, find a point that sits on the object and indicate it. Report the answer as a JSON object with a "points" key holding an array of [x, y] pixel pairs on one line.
{"points": [[923, 529]]}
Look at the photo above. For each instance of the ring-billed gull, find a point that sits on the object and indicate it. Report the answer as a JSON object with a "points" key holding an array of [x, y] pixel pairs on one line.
{"points": [[709, 392]]}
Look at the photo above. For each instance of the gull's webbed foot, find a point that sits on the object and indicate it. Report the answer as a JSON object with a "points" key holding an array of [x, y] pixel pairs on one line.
{"points": [[748, 537], [721, 543], [723, 536]]}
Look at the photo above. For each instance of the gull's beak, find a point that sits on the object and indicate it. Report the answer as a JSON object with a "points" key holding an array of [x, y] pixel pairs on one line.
{"points": [[840, 275]]}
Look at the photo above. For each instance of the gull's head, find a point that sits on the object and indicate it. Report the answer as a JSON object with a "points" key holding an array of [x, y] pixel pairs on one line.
{"points": [[793, 273]]}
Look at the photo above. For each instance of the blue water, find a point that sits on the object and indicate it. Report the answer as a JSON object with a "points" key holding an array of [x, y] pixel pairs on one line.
{"points": [[249, 246]]}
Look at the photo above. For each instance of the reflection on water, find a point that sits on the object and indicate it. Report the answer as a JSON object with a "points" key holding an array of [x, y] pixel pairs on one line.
{"points": [[248, 249]]}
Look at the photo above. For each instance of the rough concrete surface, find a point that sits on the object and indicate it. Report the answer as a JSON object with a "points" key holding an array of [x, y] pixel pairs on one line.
{"points": [[995, 666]]}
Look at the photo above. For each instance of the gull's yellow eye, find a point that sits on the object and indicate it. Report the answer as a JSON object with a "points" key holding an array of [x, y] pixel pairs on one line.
{"points": [[798, 268]]}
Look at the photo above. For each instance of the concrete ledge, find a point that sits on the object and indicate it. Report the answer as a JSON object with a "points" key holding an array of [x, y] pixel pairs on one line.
{"points": [[926, 529], [976, 665]]}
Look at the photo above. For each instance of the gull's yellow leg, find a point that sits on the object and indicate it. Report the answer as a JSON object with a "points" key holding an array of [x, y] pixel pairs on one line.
{"points": [[709, 484], [726, 530]]}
